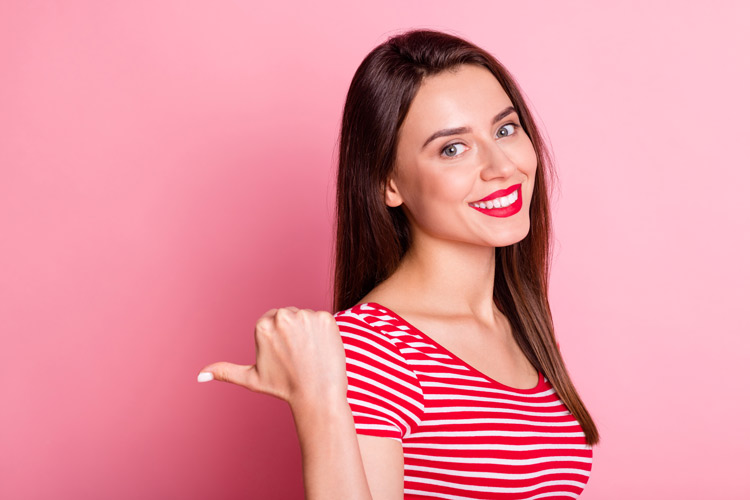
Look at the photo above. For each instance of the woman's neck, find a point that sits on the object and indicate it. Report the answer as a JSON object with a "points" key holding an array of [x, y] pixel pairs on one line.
{"points": [[454, 278]]}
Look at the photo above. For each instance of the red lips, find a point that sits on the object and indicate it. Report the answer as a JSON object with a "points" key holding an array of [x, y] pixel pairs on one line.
{"points": [[499, 193]]}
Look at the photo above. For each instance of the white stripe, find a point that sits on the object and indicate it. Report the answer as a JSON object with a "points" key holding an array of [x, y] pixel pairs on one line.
{"points": [[498, 461], [497, 433], [544, 404], [368, 415], [497, 447], [555, 494], [435, 355], [433, 362], [378, 427], [450, 375], [349, 314], [479, 409], [383, 316], [494, 489], [399, 335], [498, 421], [380, 323], [433, 494], [495, 475], [420, 344], [429, 383], [365, 307]]}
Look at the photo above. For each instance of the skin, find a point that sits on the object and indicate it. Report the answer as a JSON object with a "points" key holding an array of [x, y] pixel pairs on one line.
{"points": [[443, 285]]}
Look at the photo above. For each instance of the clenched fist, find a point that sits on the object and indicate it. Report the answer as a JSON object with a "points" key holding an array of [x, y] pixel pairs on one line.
{"points": [[299, 358]]}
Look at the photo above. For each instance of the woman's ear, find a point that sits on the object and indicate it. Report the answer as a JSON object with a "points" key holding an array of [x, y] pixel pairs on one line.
{"points": [[391, 194]]}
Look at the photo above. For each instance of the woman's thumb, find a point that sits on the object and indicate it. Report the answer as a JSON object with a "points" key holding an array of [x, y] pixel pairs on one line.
{"points": [[243, 375]]}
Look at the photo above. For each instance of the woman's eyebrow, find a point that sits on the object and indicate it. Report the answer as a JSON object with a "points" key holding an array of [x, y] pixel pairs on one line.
{"points": [[463, 130]]}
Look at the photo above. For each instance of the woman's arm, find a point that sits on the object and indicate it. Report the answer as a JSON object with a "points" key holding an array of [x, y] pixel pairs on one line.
{"points": [[338, 464], [383, 459], [300, 359]]}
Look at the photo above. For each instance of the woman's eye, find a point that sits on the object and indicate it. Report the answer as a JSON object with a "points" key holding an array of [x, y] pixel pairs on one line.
{"points": [[453, 149], [503, 131]]}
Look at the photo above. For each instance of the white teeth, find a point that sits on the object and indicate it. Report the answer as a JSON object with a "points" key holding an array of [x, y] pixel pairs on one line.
{"points": [[503, 201]]}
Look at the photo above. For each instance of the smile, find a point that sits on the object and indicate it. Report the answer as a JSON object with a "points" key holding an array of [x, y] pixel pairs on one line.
{"points": [[504, 206], [502, 201]]}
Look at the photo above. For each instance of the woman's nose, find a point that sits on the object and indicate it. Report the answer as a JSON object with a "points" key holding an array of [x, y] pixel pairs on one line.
{"points": [[496, 162]]}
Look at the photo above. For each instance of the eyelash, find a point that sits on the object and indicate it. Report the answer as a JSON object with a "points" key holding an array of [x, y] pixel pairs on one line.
{"points": [[515, 125]]}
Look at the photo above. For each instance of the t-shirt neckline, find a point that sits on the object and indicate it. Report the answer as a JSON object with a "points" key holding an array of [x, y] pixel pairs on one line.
{"points": [[444, 350]]}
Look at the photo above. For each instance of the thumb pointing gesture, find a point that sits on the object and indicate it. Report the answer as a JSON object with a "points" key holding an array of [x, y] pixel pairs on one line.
{"points": [[299, 358], [242, 375]]}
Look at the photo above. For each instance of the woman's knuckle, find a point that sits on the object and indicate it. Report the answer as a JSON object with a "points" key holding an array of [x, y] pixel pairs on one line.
{"points": [[324, 317], [285, 315], [270, 313], [263, 327]]}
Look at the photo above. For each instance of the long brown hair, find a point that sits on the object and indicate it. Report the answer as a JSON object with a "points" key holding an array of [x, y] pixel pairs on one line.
{"points": [[372, 238]]}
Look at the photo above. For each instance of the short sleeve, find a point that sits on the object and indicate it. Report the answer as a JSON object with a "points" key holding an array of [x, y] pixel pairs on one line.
{"points": [[383, 391]]}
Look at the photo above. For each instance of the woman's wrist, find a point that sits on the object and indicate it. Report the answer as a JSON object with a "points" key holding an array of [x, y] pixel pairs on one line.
{"points": [[325, 404], [331, 461]]}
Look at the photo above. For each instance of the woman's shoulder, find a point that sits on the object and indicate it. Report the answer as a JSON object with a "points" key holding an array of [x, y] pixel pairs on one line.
{"points": [[364, 319], [368, 330], [383, 390]]}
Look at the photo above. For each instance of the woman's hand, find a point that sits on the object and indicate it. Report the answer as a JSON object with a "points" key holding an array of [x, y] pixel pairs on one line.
{"points": [[299, 358]]}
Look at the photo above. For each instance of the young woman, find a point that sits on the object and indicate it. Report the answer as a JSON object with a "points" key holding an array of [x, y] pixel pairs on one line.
{"points": [[440, 375]]}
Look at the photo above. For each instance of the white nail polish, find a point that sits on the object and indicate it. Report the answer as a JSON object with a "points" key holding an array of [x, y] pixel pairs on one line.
{"points": [[205, 376]]}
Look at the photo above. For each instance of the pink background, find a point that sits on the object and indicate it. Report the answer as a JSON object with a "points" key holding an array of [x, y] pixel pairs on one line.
{"points": [[167, 176]]}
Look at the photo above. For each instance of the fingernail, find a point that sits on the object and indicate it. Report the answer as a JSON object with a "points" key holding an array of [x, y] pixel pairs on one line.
{"points": [[205, 376]]}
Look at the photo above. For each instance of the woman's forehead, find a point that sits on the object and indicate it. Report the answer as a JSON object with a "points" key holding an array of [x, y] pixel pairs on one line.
{"points": [[461, 97]]}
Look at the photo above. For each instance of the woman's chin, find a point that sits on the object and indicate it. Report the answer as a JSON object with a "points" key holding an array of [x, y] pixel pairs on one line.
{"points": [[512, 235]]}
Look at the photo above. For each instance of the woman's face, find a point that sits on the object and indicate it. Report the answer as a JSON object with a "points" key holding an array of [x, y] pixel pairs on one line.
{"points": [[461, 142]]}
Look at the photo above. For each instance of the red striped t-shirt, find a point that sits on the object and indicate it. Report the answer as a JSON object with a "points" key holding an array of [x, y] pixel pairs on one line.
{"points": [[464, 435]]}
